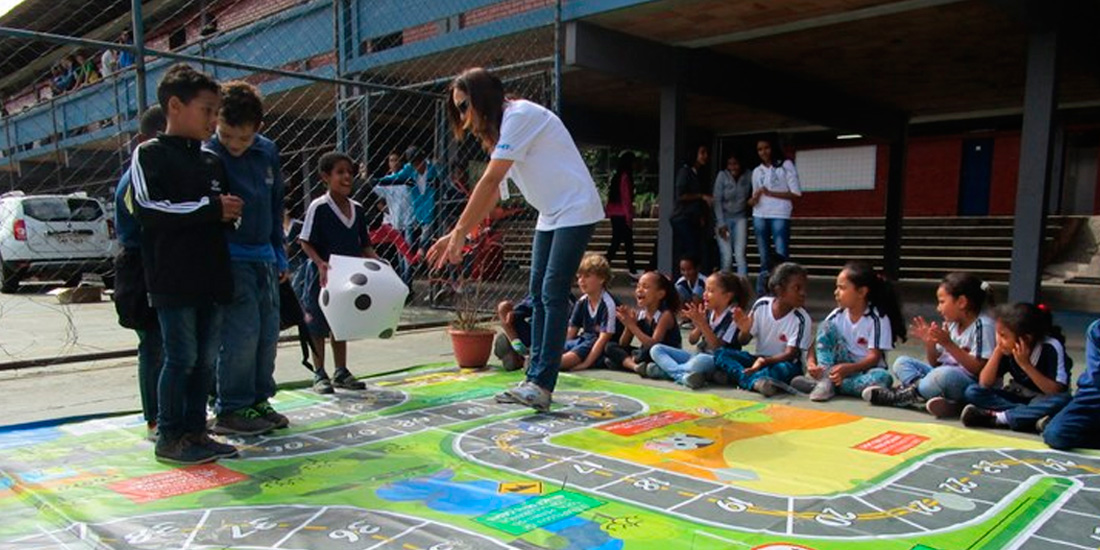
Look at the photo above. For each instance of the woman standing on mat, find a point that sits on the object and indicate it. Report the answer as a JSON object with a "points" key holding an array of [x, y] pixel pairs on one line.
{"points": [[530, 145]]}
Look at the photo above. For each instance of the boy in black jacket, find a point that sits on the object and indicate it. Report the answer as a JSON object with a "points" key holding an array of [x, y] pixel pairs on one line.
{"points": [[182, 204]]}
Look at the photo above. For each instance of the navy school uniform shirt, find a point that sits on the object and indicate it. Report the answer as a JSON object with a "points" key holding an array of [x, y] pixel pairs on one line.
{"points": [[1049, 358], [593, 322], [695, 289], [724, 328], [329, 232], [256, 178], [673, 337]]}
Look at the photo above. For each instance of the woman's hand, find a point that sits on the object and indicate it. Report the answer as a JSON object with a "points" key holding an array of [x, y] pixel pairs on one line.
{"points": [[446, 250]]}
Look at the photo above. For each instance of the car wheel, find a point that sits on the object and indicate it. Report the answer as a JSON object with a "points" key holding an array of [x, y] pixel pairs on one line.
{"points": [[9, 278]]}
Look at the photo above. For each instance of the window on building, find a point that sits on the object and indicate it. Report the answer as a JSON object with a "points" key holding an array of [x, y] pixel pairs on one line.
{"points": [[177, 39], [837, 168], [386, 42]]}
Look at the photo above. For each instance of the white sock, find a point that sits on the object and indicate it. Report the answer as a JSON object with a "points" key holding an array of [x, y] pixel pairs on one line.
{"points": [[1001, 418]]}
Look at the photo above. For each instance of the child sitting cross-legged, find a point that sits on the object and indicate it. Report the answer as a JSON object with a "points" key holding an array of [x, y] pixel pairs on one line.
{"points": [[653, 322], [592, 324], [781, 328]]}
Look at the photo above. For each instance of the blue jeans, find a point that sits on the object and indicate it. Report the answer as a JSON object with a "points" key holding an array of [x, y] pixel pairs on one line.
{"points": [[150, 361], [555, 257], [250, 332], [677, 363], [831, 350], [1021, 412], [734, 247], [192, 336], [1078, 425], [420, 237], [767, 230], [734, 363], [947, 381]]}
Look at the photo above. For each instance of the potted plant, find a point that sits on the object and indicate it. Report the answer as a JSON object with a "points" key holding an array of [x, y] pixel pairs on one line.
{"points": [[471, 338]]}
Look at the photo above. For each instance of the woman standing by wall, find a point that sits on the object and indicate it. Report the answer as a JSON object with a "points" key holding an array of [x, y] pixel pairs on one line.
{"points": [[620, 210], [732, 189], [774, 186], [529, 144]]}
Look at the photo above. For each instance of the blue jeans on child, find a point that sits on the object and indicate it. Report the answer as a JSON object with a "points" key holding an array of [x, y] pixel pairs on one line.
{"points": [[947, 381], [677, 363], [250, 333], [192, 336], [831, 350], [150, 361], [1021, 412], [734, 362], [1078, 425], [733, 248], [767, 230], [555, 256]]}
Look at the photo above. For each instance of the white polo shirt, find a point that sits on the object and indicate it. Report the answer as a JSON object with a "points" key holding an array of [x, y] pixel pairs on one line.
{"points": [[773, 336], [978, 339], [783, 178], [871, 331], [548, 168]]}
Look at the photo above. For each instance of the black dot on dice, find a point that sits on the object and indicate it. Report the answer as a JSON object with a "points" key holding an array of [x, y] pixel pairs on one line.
{"points": [[362, 303], [359, 279], [324, 297], [386, 334], [372, 265]]}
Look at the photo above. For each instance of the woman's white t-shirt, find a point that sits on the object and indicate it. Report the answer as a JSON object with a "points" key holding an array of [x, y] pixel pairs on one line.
{"points": [[783, 178], [548, 168]]}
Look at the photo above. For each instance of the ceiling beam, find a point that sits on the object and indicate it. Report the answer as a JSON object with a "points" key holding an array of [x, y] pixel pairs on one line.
{"points": [[728, 78]]}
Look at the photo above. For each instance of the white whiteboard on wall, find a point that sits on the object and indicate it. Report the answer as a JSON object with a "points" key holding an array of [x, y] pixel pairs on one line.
{"points": [[837, 168]]}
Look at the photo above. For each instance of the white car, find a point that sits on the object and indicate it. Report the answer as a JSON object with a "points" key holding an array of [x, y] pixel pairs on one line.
{"points": [[54, 237]]}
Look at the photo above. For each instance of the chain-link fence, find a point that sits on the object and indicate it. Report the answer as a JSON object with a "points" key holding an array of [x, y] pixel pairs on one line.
{"points": [[364, 77]]}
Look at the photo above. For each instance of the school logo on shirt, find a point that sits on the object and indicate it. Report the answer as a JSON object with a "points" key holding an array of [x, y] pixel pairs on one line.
{"points": [[215, 185], [270, 178], [782, 337], [861, 341], [503, 146]]}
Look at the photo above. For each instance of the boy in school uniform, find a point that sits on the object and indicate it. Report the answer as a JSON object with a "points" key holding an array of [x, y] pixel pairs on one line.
{"points": [[1078, 425], [183, 208], [250, 323]]}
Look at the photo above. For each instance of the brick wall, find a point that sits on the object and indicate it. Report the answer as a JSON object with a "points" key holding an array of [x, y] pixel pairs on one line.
{"points": [[502, 10], [420, 32]]}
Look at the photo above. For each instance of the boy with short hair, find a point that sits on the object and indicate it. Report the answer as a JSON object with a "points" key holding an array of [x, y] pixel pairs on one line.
{"points": [[250, 323], [334, 224], [183, 207], [592, 324]]}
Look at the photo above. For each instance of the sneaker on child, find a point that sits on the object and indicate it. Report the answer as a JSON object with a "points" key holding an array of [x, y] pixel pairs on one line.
{"points": [[246, 421], [344, 379], [268, 413], [183, 450]]}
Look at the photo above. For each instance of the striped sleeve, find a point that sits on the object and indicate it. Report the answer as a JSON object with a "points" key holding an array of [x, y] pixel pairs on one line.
{"points": [[607, 304], [153, 208], [883, 336], [1054, 362], [985, 337], [310, 220], [801, 329]]}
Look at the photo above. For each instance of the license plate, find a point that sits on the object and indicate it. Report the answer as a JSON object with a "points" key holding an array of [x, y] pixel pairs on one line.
{"points": [[69, 239]]}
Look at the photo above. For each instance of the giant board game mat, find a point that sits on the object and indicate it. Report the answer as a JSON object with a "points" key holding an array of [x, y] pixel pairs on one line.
{"points": [[426, 460]]}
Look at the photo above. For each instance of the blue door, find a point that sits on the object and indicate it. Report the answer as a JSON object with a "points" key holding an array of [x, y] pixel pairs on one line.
{"points": [[974, 181]]}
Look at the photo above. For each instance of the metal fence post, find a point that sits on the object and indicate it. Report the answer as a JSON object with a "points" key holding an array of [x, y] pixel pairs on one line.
{"points": [[139, 53]]}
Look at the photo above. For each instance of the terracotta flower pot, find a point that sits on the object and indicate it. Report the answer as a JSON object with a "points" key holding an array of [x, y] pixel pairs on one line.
{"points": [[472, 348]]}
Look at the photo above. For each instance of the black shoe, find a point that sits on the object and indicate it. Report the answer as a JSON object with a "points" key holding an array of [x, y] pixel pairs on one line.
{"points": [[878, 395], [220, 450], [182, 450], [322, 385], [344, 379], [718, 378], [268, 413], [974, 416], [247, 421]]}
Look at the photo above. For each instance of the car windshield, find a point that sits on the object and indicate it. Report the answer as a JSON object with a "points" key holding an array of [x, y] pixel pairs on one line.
{"points": [[61, 209]]}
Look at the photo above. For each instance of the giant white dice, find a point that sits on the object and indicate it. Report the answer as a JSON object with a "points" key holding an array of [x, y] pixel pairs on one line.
{"points": [[363, 298]]}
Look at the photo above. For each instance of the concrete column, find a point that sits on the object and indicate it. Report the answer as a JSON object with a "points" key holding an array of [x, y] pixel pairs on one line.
{"points": [[671, 143]]}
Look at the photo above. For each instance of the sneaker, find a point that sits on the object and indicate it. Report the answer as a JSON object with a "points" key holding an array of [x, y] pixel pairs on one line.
{"points": [[246, 421], [653, 371], [502, 349], [530, 394], [506, 397], [1041, 425], [345, 380], [718, 378], [974, 416], [268, 413], [694, 380], [519, 347], [803, 384], [823, 390], [941, 407], [878, 395], [322, 385], [182, 450], [220, 450], [766, 387]]}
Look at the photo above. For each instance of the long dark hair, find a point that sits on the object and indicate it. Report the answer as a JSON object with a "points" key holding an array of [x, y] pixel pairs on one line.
{"points": [[625, 165], [671, 302], [881, 295], [778, 157], [485, 93], [1030, 320], [736, 285], [978, 292]]}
